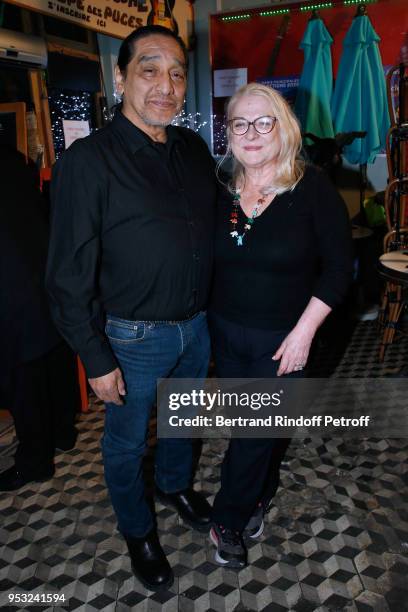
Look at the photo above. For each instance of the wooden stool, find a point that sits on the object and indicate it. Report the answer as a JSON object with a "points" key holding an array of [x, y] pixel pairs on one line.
{"points": [[393, 267]]}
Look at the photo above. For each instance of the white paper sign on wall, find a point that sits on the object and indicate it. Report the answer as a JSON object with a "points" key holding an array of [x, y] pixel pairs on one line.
{"points": [[73, 130], [226, 82]]}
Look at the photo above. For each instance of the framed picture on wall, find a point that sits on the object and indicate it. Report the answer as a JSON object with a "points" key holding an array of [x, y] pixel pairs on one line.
{"points": [[13, 128]]}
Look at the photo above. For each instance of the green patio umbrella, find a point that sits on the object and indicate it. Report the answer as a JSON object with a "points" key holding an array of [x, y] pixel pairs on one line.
{"points": [[360, 98], [313, 99]]}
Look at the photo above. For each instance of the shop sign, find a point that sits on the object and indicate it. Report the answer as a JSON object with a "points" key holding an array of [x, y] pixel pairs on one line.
{"points": [[116, 17], [286, 85]]}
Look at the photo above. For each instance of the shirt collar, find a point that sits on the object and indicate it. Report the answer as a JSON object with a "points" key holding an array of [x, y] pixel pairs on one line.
{"points": [[137, 138]]}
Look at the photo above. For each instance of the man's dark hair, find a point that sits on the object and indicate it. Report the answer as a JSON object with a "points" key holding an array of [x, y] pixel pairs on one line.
{"points": [[127, 48]]}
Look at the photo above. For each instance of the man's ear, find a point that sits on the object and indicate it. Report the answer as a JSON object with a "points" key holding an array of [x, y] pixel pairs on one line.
{"points": [[119, 81]]}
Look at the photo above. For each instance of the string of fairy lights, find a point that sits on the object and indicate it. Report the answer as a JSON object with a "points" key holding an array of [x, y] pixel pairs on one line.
{"points": [[219, 134], [67, 105], [192, 121]]}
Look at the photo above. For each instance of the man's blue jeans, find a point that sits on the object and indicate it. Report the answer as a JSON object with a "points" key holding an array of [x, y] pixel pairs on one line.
{"points": [[147, 351]]}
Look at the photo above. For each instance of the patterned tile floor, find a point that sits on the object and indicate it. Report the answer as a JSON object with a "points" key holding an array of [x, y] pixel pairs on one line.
{"points": [[336, 538]]}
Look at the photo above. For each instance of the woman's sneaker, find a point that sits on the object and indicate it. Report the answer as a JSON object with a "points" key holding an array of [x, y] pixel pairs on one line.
{"points": [[230, 548], [255, 525]]}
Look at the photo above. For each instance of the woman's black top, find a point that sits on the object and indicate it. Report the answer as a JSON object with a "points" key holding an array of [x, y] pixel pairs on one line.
{"points": [[299, 247]]}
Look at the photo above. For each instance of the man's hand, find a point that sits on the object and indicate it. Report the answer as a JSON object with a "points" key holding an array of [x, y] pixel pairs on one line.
{"points": [[109, 387]]}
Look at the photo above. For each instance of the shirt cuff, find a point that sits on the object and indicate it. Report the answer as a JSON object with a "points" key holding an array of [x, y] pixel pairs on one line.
{"points": [[98, 364]]}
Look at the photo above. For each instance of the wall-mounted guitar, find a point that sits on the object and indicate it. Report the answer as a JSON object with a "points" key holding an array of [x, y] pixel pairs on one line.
{"points": [[283, 28], [162, 14]]}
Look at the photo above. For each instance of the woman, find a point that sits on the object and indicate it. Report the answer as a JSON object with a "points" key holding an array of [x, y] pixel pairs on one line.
{"points": [[283, 261]]}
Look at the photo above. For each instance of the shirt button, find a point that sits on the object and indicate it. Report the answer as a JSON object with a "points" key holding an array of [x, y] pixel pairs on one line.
{"points": [[196, 256]]}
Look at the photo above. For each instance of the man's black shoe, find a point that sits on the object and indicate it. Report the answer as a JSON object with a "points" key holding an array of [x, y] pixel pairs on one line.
{"points": [[191, 505], [12, 479], [149, 563]]}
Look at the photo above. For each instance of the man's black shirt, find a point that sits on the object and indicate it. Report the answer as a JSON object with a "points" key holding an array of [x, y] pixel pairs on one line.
{"points": [[132, 233]]}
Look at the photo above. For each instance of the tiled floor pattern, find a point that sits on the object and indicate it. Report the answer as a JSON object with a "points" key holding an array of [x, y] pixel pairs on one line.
{"points": [[337, 538]]}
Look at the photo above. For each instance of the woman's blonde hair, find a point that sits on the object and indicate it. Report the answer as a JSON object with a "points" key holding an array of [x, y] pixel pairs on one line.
{"points": [[290, 165]]}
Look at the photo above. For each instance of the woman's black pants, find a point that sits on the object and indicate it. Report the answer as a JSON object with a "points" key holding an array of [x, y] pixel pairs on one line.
{"points": [[250, 470]]}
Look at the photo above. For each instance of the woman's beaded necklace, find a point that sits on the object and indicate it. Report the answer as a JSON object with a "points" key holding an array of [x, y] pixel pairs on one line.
{"points": [[249, 220]]}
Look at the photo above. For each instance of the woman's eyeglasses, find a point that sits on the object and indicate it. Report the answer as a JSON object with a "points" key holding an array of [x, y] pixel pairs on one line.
{"points": [[263, 125]]}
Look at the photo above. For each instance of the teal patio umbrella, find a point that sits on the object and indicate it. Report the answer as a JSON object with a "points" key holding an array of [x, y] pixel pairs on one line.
{"points": [[312, 105], [360, 98]]}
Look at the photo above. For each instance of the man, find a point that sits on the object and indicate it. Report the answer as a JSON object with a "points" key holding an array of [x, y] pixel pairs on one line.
{"points": [[128, 275], [38, 375]]}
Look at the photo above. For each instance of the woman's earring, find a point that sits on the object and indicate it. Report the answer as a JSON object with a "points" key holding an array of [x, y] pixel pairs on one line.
{"points": [[118, 95]]}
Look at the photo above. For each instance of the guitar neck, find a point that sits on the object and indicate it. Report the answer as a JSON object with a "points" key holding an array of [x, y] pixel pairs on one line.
{"points": [[283, 28]]}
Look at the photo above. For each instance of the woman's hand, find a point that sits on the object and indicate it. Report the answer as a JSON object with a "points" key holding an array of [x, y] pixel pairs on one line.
{"points": [[294, 350]]}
